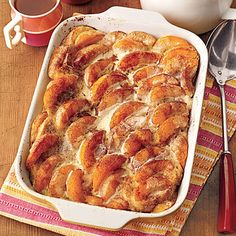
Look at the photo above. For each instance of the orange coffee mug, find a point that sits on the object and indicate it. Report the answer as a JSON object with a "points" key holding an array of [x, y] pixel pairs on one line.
{"points": [[34, 30]]}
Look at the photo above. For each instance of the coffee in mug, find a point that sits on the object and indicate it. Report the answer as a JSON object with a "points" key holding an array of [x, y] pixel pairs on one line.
{"points": [[33, 8]]}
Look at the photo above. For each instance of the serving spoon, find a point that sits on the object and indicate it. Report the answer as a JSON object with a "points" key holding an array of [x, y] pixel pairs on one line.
{"points": [[222, 65]]}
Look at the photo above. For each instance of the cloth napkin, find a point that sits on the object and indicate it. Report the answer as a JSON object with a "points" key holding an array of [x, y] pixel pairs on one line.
{"points": [[15, 203]]}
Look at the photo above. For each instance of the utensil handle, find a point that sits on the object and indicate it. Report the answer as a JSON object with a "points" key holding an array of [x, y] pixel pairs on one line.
{"points": [[224, 119], [227, 196]]}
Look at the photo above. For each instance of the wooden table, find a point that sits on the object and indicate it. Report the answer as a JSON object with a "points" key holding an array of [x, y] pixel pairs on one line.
{"points": [[18, 75]]}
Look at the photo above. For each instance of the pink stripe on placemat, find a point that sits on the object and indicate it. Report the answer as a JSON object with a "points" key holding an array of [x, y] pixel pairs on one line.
{"points": [[193, 192], [207, 92], [209, 140], [230, 92], [40, 214]]}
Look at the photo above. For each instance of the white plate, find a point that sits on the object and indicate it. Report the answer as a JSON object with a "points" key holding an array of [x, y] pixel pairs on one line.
{"points": [[124, 19]]}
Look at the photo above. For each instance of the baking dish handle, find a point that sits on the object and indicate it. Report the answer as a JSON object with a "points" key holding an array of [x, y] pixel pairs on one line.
{"points": [[88, 215], [132, 15]]}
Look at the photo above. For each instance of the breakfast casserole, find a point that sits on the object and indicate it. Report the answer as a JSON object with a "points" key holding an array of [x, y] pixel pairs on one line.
{"points": [[114, 124]]}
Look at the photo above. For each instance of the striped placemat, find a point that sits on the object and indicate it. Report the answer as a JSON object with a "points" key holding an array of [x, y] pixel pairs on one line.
{"points": [[17, 204]]}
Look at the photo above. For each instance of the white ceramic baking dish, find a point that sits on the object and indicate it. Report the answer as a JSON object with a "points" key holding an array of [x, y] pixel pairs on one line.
{"points": [[124, 19]]}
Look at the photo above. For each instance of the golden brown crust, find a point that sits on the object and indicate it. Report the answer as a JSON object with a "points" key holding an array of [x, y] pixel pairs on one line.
{"points": [[87, 38], [145, 72], [105, 166], [86, 55], [57, 185], [124, 111], [126, 45], [165, 91], [100, 87], [134, 41], [145, 154], [153, 167], [40, 146], [75, 33], [68, 110], [169, 128], [157, 183], [184, 63], [179, 146], [111, 37], [39, 119], [180, 60], [136, 141], [44, 173], [111, 184], [88, 148], [97, 69], [164, 206], [166, 43], [57, 88], [145, 196], [113, 131], [118, 203], [114, 97], [137, 59], [94, 200], [148, 84], [78, 129], [168, 109], [143, 37], [74, 186], [60, 64]]}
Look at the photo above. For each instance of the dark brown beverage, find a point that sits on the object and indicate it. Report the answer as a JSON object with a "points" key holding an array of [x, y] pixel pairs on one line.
{"points": [[34, 7]]}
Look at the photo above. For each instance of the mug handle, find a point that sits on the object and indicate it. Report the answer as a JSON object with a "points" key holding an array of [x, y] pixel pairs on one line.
{"points": [[230, 14], [13, 38]]}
